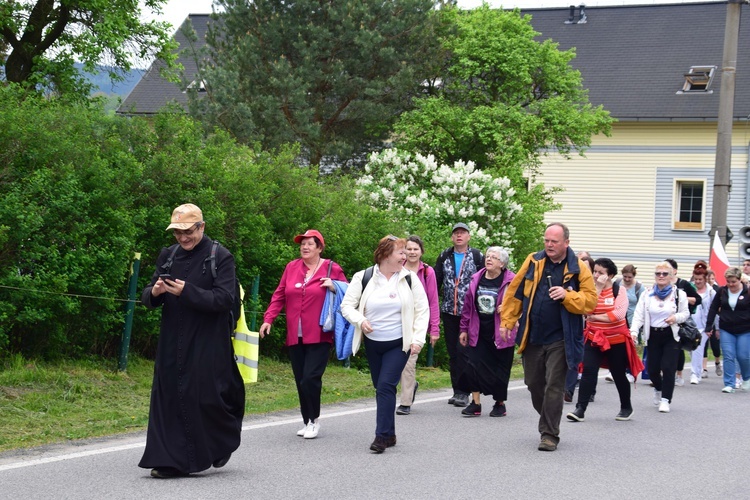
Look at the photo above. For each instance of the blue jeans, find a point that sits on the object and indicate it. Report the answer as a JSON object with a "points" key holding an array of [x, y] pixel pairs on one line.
{"points": [[735, 346], [387, 360]]}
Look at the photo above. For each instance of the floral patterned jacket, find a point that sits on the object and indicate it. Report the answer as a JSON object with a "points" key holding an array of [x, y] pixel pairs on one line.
{"points": [[454, 290]]}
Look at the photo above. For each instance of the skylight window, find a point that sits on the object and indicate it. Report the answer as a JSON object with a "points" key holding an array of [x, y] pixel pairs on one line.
{"points": [[200, 86], [698, 80]]}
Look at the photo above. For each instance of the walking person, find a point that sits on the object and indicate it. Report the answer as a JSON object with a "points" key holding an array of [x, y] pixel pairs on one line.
{"points": [[390, 312], [548, 298], [634, 288], [607, 337], [454, 268], [302, 292], [490, 355], [694, 300], [409, 384], [197, 396], [732, 306], [707, 294], [660, 311]]}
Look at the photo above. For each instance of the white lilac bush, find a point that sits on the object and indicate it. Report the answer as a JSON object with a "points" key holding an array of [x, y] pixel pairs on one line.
{"points": [[418, 192]]}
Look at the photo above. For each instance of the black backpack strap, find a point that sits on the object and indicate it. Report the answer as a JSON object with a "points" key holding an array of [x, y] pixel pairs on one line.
{"points": [[330, 266], [408, 279], [615, 288], [367, 276], [212, 259], [167, 266]]}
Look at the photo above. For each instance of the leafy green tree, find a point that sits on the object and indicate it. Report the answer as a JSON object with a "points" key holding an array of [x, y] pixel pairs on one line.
{"points": [[502, 101], [329, 75], [45, 37], [505, 97]]}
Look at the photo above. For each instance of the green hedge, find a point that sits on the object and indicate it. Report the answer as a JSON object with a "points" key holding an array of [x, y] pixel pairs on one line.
{"points": [[82, 191]]}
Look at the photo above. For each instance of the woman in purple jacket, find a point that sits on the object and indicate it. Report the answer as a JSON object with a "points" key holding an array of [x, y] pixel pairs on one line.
{"points": [[490, 356], [426, 274]]}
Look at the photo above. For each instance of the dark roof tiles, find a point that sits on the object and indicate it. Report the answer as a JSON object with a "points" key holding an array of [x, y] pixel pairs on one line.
{"points": [[633, 58]]}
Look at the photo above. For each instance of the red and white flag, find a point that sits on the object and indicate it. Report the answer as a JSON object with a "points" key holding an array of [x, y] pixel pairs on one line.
{"points": [[718, 261]]}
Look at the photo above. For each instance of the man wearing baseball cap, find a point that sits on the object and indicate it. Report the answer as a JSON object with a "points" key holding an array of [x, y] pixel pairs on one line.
{"points": [[453, 271], [197, 396]]}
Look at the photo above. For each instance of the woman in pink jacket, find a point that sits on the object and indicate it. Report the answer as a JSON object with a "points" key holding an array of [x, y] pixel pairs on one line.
{"points": [[426, 274], [490, 356], [302, 290]]}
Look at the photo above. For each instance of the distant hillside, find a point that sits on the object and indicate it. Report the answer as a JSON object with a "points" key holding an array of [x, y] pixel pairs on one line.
{"points": [[102, 83]]}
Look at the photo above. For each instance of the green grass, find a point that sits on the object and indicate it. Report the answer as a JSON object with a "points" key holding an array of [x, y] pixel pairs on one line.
{"points": [[44, 403]]}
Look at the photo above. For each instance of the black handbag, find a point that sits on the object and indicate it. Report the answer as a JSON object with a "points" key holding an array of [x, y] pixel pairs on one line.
{"points": [[690, 336]]}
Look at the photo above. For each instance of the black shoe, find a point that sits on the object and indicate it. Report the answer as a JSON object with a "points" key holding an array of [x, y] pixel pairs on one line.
{"points": [[403, 410], [167, 473], [452, 399], [568, 397], [624, 414], [222, 461], [577, 414], [413, 396], [498, 410], [390, 441], [591, 399], [473, 410], [379, 445], [461, 400]]}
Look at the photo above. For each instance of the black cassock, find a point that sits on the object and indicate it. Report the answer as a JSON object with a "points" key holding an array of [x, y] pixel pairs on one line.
{"points": [[197, 397]]}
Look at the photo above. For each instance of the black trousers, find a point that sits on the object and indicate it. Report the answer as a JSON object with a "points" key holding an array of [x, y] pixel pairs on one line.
{"points": [[617, 359], [309, 362], [715, 347], [663, 351], [458, 357]]}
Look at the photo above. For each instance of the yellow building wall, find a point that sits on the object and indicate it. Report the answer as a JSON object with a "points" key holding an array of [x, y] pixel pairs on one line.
{"points": [[608, 198]]}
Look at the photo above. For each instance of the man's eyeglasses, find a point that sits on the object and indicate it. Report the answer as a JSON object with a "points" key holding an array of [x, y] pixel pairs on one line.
{"points": [[187, 232], [662, 274]]}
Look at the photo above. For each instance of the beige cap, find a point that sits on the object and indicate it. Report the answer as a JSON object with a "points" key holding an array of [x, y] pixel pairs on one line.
{"points": [[185, 216]]}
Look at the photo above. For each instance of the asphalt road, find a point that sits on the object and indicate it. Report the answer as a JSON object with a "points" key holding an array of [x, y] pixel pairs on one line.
{"points": [[699, 450]]}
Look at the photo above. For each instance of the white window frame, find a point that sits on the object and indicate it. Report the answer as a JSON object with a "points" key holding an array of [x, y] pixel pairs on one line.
{"points": [[696, 75], [677, 225]]}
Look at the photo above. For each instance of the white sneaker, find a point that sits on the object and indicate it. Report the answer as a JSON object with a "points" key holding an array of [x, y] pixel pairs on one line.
{"points": [[679, 381], [728, 389], [737, 383], [664, 405], [630, 377], [312, 430], [657, 397], [705, 373], [694, 379], [301, 432], [746, 385], [608, 377]]}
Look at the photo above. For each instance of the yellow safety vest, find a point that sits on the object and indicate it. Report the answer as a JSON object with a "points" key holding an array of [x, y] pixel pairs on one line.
{"points": [[246, 347]]}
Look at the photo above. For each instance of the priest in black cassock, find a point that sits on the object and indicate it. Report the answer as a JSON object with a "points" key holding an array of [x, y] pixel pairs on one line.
{"points": [[197, 397]]}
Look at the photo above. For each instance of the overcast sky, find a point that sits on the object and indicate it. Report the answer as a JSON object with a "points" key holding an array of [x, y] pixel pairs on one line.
{"points": [[175, 11]]}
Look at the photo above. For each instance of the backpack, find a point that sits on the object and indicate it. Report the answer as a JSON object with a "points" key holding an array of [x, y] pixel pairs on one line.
{"points": [[236, 309]]}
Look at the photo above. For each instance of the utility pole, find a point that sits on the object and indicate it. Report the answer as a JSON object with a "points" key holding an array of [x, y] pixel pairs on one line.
{"points": [[723, 165]]}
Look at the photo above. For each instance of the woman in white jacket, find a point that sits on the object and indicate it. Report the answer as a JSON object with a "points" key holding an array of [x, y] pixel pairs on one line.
{"points": [[392, 313], [660, 311]]}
